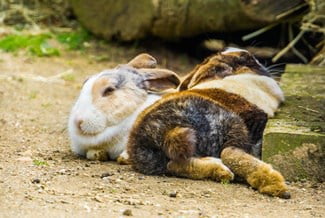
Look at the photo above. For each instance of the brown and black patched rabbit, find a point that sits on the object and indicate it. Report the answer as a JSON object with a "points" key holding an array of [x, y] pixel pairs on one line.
{"points": [[221, 114]]}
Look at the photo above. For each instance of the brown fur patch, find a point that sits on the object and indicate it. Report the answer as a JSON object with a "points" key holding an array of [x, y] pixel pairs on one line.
{"points": [[180, 143], [237, 62], [143, 61], [113, 104], [123, 161], [98, 87]]}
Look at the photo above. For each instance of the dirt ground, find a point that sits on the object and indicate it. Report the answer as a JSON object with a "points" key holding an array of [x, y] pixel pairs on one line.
{"points": [[39, 176]]}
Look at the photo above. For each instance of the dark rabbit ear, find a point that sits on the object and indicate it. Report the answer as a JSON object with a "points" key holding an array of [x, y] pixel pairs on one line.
{"points": [[210, 69], [143, 61], [186, 81], [158, 80]]}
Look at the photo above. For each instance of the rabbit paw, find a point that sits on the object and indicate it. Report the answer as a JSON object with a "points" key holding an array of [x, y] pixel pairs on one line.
{"points": [[123, 159], [96, 154], [219, 171], [269, 181]]}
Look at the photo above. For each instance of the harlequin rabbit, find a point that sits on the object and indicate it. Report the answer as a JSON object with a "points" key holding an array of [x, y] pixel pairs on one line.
{"points": [[222, 115], [108, 104]]}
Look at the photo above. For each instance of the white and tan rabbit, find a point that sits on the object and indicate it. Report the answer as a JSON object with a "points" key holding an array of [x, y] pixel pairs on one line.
{"points": [[221, 114], [109, 103]]}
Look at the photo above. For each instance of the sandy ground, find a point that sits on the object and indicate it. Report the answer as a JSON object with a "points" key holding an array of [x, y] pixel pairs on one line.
{"points": [[39, 176]]}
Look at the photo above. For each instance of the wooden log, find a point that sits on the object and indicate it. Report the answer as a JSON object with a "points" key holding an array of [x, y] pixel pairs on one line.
{"points": [[171, 19], [269, 10]]}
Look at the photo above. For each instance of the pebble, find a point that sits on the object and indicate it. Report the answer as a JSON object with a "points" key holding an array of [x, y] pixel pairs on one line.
{"points": [[173, 194], [141, 177], [36, 181], [106, 174], [62, 171], [127, 212]]}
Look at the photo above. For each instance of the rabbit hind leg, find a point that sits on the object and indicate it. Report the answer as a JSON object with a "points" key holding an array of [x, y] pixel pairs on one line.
{"points": [[201, 168], [257, 173]]}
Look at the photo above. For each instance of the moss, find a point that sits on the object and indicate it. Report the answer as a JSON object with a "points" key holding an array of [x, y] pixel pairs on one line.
{"points": [[294, 139], [280, 143]]}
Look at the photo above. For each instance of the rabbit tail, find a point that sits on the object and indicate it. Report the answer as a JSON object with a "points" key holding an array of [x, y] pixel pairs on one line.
{"points": [[179, 143]]}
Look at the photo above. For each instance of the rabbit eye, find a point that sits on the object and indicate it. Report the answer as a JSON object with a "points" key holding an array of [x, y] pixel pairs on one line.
{"points": [[108, 91]]}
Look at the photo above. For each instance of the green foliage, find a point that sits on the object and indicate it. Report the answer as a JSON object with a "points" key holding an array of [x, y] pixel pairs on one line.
{"points": [[74, 40], [69, 77], [40, 163], [33, 95], [224, 182], [39, 44], [36, 44]]}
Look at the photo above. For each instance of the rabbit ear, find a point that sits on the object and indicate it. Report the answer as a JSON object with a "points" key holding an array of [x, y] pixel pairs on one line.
{"points": [[210, 69], [186, 81], [157, 80], [143, 61]]}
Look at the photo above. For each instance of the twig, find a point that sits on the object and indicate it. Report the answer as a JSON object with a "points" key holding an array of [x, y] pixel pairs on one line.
{"points": [[258, 32], [308, 45], [289, 46], [308, 109], [299, 55], [294, 50], [291, 11], [33, 77]]}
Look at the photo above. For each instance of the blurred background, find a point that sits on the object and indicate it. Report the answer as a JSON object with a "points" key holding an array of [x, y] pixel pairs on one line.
{"points": [[49, 47], [275, 31]]}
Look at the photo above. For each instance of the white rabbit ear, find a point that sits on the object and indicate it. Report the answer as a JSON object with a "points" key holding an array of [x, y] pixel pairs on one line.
{"points": [[143, 61], [158, 80]]}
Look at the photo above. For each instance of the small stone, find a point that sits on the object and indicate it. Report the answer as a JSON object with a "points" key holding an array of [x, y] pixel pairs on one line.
{"points": [[127, 212], [141, 177], [173, 194], [36, 181], [62, 171], [98, 199], [106, 175]]}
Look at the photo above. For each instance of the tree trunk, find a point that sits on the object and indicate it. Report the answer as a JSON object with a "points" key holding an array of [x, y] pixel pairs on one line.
{"points": [[170, 19]]}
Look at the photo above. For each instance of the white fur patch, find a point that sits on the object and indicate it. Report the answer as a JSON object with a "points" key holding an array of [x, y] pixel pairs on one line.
{"points": [[232, 49], [262, 91], [218, 162], [111, 139]]}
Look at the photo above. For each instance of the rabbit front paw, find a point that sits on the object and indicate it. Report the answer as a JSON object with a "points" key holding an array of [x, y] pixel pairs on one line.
{"points": [[97, 154]]}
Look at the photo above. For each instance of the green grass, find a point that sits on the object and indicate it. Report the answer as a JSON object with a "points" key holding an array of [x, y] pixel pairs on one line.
{"points": [[40, 163], [69, 77], [39, 45], [74, 40], [33, 95], [36, 44]]}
